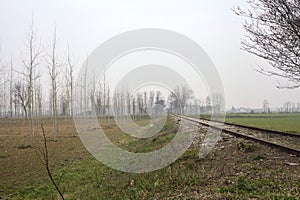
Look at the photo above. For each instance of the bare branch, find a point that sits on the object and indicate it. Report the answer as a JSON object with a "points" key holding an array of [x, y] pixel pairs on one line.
{"points": [[273, 29], [46, 161]]}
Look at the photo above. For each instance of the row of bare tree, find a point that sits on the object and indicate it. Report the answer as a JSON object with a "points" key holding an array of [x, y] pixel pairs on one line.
{"points": [[288, 107], [22, 84], [25, 90], [97, 98]]}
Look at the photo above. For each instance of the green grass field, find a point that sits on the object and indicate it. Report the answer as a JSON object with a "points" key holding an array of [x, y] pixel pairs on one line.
{"points": [[220, 175], [281, 122], [275, 121]]}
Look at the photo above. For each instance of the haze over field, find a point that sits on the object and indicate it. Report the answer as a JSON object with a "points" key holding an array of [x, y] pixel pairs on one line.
{"points": [[86, 24], [140, 99]]}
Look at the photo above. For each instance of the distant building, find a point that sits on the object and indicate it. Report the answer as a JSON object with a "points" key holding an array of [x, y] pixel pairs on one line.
{"points": [[244, 110]]}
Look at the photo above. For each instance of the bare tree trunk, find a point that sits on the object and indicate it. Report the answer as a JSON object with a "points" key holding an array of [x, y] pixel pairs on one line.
{"points": [[70, 88], [104, 96], [70, 80], [53, 66], [108, 102], [92, 95], [145, 103], [133, 107], [11, 95], [81, 96], [39, 104], [16, 113], [30, 65], [85, 98]]}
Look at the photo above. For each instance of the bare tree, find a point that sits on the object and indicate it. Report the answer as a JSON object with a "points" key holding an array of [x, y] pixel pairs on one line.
{"points": [[46, 159], [21, 96], [2, 70], [99, 99], [273, 29], [3, 85], [128, 103], [53, 65], [134, 107], [15, 102], [92, 91], [70, 82], [151, 98], [108, 101], [2, 67], [11, 94], [287, 107], [83, 90], [217, 101], [145, 102], [64, 103], [208, 101], [30, 63], [119, 102], [39, 97], [104, 94], [179, 98], [140, 102]]}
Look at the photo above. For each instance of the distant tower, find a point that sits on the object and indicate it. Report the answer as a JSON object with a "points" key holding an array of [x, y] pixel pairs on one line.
{"points": [[266, 108]]}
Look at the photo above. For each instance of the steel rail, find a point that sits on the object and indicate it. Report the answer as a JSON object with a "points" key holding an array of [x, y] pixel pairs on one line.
{"points": [[287, 149]]}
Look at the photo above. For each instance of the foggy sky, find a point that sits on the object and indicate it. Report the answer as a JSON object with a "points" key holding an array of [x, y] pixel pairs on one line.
{"points": [[86, 24]]}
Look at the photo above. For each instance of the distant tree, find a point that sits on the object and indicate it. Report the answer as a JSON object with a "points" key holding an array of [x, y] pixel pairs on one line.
{"points": [[117, 101], [287, 107], [179, 98], [208, 101], [3, 80], [64, 104], [151, 98], [31, 62], [273, 28], [128, 103], [53, 65], [39, 97], [294, 109], [92, 93], [217, 101], [158, 95], [99, 99], [21, 96], [70, 82], [145, 102], [140, 104], [134, 107], [108, 102], [104, 94], [2, 70], [11, 94]]}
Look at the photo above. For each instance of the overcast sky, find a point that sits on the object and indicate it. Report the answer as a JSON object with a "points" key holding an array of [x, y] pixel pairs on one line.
{"points": [[86, 24]]}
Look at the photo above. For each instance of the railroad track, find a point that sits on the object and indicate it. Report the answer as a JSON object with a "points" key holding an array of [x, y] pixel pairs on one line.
{"points": [[287, 142]]}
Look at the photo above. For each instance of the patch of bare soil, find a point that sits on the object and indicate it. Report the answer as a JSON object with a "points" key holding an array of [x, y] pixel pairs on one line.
{"points": [[22, 165]]}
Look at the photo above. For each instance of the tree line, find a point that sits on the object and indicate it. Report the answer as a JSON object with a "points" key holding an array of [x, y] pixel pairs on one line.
{"points": [[26, 94]]}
